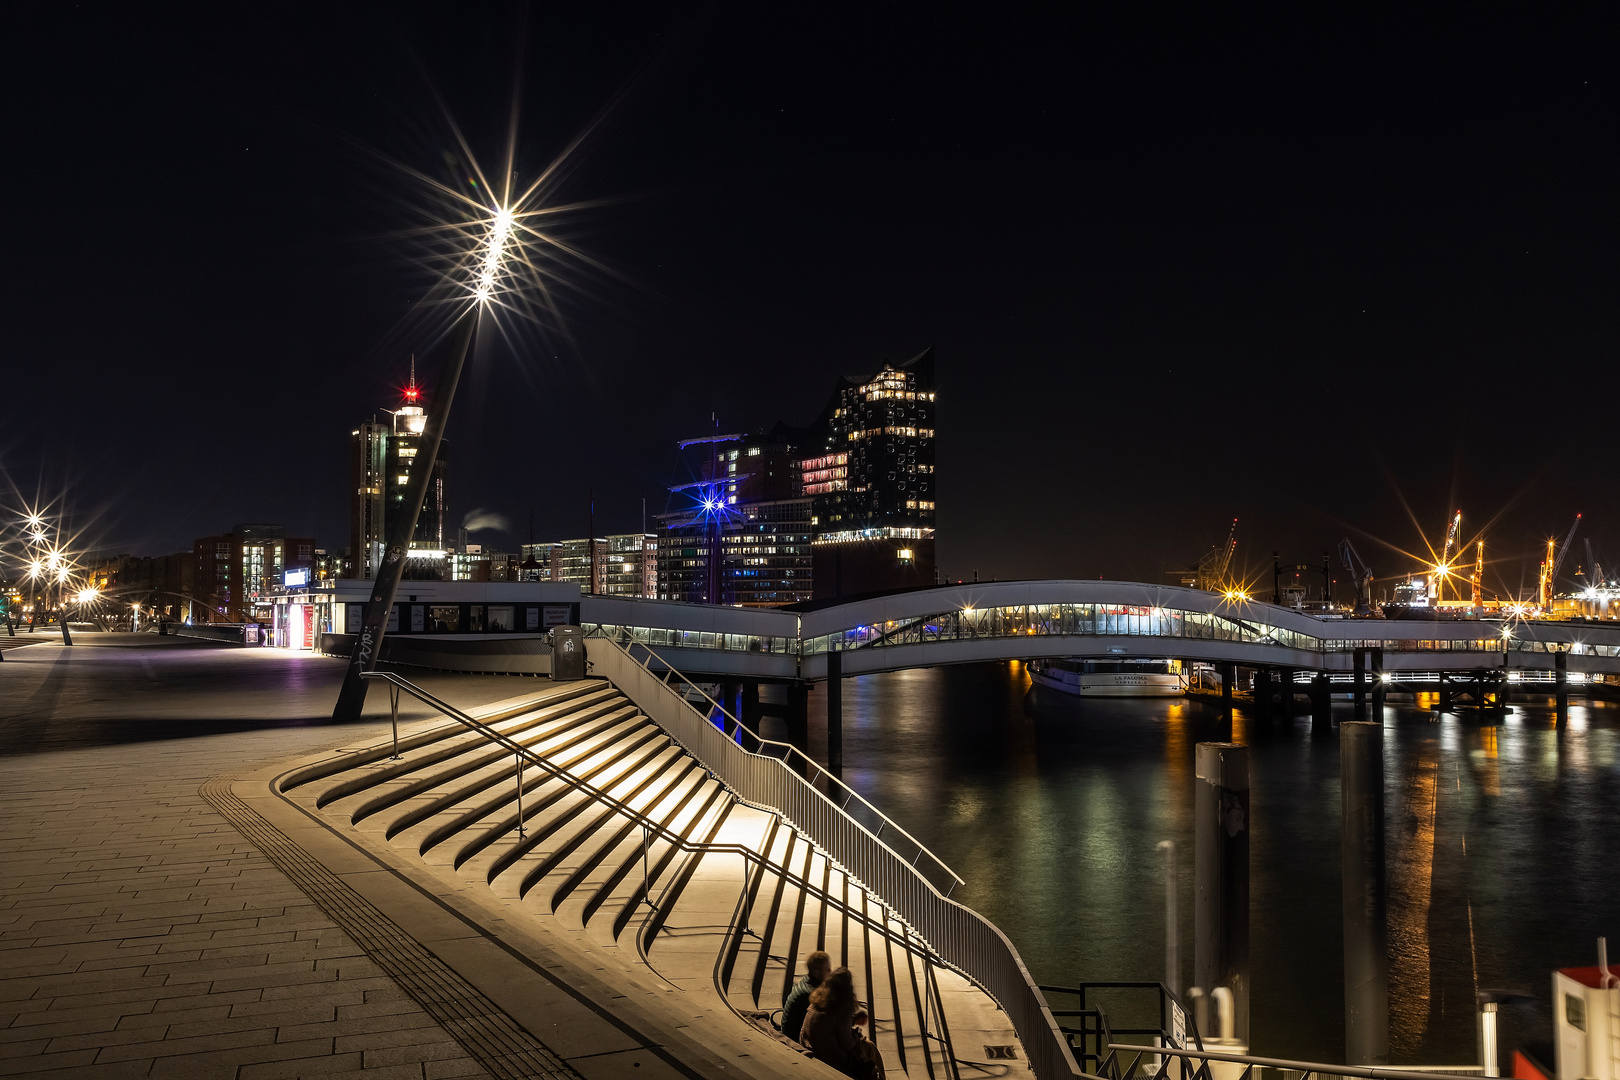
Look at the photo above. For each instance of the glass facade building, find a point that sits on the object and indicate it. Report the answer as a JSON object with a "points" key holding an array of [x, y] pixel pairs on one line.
{"points": [[381, 458]]}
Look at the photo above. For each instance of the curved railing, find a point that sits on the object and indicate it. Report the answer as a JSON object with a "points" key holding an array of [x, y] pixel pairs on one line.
{"points": [[962, 938]]}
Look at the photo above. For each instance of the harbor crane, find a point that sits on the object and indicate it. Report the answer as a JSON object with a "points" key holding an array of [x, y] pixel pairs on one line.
{"points": [[1478, 580], [1553, 563], [1442, 570], [1360, 574], [1215, 562]]}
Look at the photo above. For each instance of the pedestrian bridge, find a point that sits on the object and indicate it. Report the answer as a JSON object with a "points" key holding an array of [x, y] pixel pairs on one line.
{"points": [[960, 624]]}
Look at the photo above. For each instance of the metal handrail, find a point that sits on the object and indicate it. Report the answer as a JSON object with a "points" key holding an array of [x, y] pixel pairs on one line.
{"points": [[789, 749], [964, 940], [1306, 1067], [646, 821]]}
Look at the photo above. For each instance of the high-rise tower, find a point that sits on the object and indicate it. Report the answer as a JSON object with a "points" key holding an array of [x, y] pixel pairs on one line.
{"points": [[380, 460], [871, 475]]}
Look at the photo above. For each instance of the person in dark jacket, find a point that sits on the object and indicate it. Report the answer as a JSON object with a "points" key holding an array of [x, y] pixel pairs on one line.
{"points": [[829, 1030], [818, 965]]}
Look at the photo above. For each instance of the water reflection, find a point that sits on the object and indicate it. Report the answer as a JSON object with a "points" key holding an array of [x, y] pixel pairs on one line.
{"points": [[1501, 841]]}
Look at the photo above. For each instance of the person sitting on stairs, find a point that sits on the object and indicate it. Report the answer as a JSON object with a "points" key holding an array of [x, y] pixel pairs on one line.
{"points": [[818, 965]]}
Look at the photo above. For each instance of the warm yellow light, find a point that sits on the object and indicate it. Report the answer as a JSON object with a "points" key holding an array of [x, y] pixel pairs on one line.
{"points": [[489, 267]]}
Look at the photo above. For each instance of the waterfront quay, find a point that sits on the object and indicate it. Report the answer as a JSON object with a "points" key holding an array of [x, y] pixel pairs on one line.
{"points": [[586, 878]]}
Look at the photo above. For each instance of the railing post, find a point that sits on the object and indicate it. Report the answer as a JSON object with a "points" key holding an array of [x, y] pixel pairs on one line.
{"points": [[519, 758], [393, 699]]}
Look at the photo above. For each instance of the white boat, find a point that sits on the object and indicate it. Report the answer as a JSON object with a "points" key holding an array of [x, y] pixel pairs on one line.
{"points": [[1125, 677]]}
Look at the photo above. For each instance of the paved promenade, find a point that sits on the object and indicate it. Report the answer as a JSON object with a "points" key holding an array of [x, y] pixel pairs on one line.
{"points": [[143, 933]]}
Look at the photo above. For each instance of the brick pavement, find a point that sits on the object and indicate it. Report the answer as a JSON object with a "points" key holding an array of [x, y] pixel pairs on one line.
{"points": [[142, 935]]}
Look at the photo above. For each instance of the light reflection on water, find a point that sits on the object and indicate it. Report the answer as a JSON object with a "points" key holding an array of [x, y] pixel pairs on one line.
{"points": [[1501, 842]]}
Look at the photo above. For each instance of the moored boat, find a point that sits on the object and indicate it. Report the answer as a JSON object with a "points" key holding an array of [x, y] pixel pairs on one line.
{"points": [[1123, 677]]}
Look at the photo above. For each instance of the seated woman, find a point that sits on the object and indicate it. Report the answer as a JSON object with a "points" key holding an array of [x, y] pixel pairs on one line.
{"points": [[829, 1025]]}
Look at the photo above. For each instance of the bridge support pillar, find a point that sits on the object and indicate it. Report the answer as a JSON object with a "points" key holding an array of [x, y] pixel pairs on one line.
{"points": [[1286, 676], [1221, 836], [1366, 922], [1561, 687], [1228, 677], [798, 714], [1321, 704], [748, 711], [1445, 693], [835, 710], [1262, 695], [1378, 684], [1361, 683]]}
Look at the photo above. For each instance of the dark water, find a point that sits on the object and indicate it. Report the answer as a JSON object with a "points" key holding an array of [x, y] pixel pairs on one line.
{"points": [[1503, 843]]}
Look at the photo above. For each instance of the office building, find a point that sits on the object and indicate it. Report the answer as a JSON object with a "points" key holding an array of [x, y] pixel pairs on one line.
{"points": [[626, 564], [869, 468], [739, 532], [381, 458], [234, 574]]}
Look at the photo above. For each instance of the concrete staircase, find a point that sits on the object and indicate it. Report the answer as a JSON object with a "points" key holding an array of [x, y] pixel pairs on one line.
{"points": [[718, 921]]}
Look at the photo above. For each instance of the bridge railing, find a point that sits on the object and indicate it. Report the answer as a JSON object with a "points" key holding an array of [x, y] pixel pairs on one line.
{"points": [[962, 938]]}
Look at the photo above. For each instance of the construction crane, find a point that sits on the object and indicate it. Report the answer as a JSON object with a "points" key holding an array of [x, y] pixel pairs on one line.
{"points": [[1360, 574], [1554, 562], [1442, 570], [1213, 566], [1478, 580]]}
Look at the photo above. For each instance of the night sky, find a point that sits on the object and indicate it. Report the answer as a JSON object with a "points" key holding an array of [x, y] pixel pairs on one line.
{"points": [[1305, 274]]}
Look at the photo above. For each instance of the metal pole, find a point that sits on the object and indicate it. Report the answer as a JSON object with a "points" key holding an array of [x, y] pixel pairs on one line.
{"points": [[1488, 1055], [368, 645], [1172, 922], [1221, 829], [518, 756], [646, 882], [393, 695], [1366, 921]]}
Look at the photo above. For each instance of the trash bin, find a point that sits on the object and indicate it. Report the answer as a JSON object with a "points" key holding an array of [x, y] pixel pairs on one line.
{"points": [[567, 654]]}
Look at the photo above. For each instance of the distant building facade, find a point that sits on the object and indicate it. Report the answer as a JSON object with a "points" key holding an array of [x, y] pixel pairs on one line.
{"points": [[626, 564], [871, 476], [740, 532], [234, 574], [381, 458]]}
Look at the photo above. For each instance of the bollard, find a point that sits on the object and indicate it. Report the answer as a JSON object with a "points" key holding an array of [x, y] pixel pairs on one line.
{"points": [[835, 710], [1221, 828], [1366, 923], [1172, 920]]}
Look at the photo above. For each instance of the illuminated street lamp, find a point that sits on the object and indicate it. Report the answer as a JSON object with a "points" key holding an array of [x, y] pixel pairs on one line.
{"points": [[500, 243]]}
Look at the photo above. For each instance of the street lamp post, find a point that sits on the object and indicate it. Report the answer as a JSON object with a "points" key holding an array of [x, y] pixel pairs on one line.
{"points": [[368, 647]]}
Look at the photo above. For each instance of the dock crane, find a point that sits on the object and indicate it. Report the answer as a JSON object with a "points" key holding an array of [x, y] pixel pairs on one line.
{"points": [[1554, 562], [1478, 580], [1215, 562], [1443, 569], [1361, 575]]}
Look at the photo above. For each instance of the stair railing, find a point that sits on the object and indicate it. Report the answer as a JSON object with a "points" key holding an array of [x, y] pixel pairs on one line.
{"points": [[961, 938], [651, 827], [837, 790], [1196, 1065]]}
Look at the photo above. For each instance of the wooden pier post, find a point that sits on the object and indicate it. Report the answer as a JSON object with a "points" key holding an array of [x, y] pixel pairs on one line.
{"points": [[1366, 918], [1221, 836]]}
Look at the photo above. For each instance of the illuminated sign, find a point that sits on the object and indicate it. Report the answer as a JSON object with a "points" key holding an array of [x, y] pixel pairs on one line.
{"points": [[296, 578]]}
